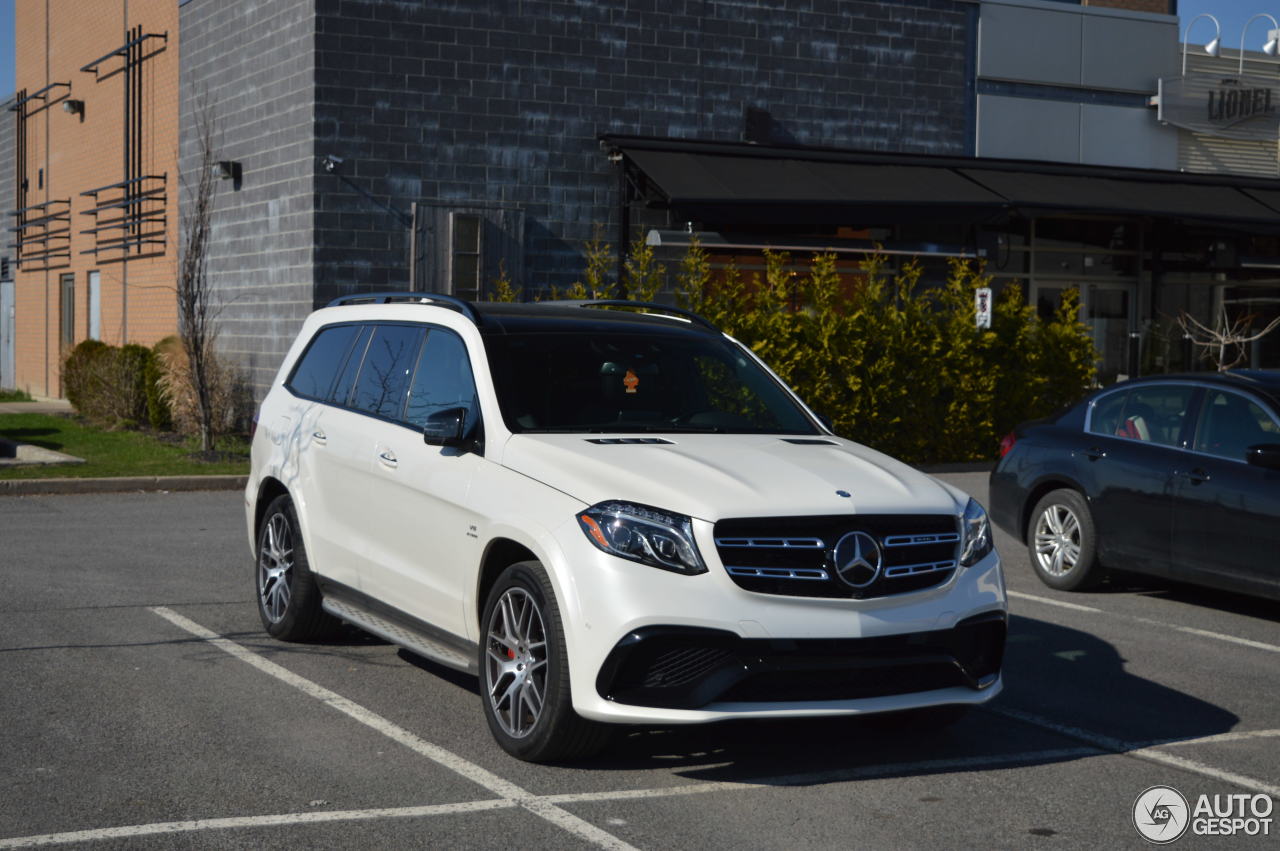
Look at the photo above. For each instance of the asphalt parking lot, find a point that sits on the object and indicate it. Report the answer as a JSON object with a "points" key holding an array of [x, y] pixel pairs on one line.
{"points": [[143, 707]]}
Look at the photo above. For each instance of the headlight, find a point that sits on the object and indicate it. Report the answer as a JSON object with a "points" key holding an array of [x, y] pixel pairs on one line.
{"points": [[640, 533], [975, 534]]}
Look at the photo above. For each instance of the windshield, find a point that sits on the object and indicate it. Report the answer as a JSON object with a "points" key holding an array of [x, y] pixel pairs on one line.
{"points": [[592, 382]]}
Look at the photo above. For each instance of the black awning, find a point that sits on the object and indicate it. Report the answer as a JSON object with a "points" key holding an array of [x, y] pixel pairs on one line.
{"points": [[728, 184], [1144, 197], [738, 189]]}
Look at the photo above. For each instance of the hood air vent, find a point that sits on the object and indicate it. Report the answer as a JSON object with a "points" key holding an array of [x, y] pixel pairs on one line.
{"points": [[610, 441], [809, 441]]}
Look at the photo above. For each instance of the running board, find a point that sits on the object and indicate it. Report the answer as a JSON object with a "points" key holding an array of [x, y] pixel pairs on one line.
{"points": [[410, 639]]}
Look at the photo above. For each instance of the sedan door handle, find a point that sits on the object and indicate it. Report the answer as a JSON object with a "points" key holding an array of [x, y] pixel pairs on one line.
{"points": [[1196, 476], [1093, 453], [388, 458], [320, 437]]}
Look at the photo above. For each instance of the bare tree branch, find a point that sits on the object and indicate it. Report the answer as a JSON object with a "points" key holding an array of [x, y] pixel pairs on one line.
{"points": [[1225, 341], [196, 312]]}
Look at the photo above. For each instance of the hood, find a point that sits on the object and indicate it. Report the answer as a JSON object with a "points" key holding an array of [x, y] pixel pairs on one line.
{"points": [[714, 476]]}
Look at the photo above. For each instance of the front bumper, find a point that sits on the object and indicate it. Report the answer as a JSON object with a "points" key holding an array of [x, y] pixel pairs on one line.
{"points": [[760, 655], [682, 668]]}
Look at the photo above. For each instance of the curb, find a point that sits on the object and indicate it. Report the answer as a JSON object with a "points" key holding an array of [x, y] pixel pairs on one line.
{"points": [[121, 484]]}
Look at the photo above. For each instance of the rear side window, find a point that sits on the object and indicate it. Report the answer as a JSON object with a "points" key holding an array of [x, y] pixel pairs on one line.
{"points": [[1156, 414], [1106, 416], [388, 364], [313, 376]]}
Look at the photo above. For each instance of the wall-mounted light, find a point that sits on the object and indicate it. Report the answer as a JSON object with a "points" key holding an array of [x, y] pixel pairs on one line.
{"points": [[227, 170], [1269, 48], [73, 106], [1211, 47], [331, 163]]}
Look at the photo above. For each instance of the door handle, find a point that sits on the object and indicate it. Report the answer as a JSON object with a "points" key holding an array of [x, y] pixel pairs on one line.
{"points": [[1093, 453], [1196, 476], [388, 458], [319, 437]]}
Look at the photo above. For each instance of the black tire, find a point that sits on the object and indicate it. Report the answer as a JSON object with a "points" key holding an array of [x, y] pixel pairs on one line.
{"points": [[286, 591], [524, 672], [1062, 542]]}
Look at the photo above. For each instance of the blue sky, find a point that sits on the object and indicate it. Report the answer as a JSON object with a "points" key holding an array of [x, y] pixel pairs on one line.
{"points": [[1231, 14]]}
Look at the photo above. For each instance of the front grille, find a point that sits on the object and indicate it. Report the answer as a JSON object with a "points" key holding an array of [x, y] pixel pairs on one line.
{"points": [[793, 556]]}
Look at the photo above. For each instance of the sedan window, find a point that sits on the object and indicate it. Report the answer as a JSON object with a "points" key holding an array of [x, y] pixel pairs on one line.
{"points": [[1157, 413], [1229, 424]]}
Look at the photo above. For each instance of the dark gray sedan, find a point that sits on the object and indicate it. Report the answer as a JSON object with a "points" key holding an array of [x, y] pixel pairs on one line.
{"points": [[1177, 476]]}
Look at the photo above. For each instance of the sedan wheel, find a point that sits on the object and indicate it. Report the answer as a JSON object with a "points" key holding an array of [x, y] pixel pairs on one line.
{"points": [[1062, 542]]}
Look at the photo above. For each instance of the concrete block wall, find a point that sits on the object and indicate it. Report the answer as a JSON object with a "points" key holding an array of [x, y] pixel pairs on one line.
{"points": [[250, 66], [502, 103]]}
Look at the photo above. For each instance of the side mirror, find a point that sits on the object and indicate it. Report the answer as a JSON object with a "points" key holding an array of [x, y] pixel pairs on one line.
{"points": [[445, 428], [1266, 455]]}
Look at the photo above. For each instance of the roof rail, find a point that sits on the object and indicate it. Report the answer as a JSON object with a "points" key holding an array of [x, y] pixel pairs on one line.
{"points": [[649, 306], [453, 302]]}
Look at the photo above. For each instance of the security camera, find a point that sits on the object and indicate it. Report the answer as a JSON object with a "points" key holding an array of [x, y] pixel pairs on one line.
{"points": [[331, 163]]}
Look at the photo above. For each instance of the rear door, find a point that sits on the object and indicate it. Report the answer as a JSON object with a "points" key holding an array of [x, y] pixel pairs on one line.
{"points": [[1226, 529], [326, 451], [1134, 439]]}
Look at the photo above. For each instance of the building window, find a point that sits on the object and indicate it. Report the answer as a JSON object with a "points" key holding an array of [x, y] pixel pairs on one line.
{"points": [[466, 239], [95, 305], [68, 312]]}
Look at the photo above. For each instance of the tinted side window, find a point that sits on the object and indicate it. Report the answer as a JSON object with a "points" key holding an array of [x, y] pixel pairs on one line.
{"points": [[319, 364], [384, 375], [1106, 417], [442, 380], [342, 388], [1229, 424], [1156, 414]]}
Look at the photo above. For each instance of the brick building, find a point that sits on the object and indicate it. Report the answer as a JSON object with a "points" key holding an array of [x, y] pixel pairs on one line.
{"points": [[388, 145], [93, 132]]}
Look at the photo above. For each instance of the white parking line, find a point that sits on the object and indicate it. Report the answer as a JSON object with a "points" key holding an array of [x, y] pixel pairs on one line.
{"points": [[288, 819], [1143, 751], [1189, 630], [480, 776], [1220, 737]]}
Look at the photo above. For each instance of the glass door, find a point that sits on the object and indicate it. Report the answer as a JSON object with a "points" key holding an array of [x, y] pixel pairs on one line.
{"points": [[1107, 308]]}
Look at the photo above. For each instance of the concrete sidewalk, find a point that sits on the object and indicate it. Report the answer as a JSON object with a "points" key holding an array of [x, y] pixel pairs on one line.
{"points": [[120, 484], [40, 406]]}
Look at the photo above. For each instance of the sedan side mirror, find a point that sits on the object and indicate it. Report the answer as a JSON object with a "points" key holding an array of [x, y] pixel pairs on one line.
{"points": [[445, 428], [1265, 455]]}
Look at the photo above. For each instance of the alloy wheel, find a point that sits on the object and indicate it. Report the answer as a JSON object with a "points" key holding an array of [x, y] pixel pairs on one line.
{"points": [[1057, 540], [516, 662], [275, 567]]}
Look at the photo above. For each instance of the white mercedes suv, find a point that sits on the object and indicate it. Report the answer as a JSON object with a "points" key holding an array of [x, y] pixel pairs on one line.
{"points": [[611, 516]]}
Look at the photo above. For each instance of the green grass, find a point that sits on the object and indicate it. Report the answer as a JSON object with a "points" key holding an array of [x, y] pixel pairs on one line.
{"points": [[113, 453], [15, 396]]}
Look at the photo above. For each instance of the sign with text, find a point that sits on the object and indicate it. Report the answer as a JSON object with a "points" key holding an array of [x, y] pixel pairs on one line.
{"points": [[982, 306], [1228, 106]]}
